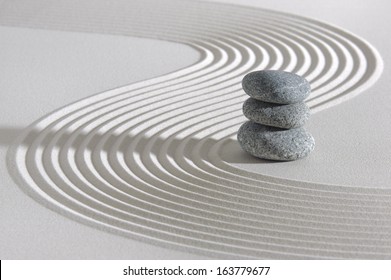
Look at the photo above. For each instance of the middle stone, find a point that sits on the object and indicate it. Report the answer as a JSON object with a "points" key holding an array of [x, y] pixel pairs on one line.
{"points": [[277, 115]]}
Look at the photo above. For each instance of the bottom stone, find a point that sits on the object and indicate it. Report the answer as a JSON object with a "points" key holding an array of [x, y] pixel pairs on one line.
{"points": [[275, 143]]}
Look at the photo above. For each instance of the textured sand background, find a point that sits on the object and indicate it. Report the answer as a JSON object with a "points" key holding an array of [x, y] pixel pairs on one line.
{"points": [[156, 174]]}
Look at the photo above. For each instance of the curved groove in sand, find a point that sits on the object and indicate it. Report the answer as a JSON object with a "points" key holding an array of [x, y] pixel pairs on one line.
{"points": [[146, 160]]}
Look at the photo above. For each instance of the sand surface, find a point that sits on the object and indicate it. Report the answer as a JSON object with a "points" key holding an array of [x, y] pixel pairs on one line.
{"points": [[147, 165]]}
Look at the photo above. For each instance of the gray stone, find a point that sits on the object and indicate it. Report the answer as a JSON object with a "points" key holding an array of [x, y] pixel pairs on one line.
{"points": [[278, 115], [275, 143], [276, 86]]}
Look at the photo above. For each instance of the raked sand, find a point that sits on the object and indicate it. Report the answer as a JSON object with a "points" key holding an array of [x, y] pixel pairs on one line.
{"points": [[157, 160]]}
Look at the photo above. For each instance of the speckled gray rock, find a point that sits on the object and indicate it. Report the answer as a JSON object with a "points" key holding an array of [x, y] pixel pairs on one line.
{"points": [[278, 115], [276, 86], [275, 143]]}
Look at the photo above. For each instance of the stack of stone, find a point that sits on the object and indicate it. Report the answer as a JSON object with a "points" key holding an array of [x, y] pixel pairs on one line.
{"points": [[277, 113]]}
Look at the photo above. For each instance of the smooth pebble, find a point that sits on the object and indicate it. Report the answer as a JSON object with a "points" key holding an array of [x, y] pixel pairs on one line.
{"points": [[275, 143], [276, 86], [277, 115]]}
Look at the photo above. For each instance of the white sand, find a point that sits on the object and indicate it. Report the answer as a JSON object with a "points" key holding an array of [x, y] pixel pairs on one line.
{"points": [[132, 162]]}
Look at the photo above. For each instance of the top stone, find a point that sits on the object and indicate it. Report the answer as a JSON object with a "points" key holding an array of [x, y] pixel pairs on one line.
{"points": [[276, 86]]}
